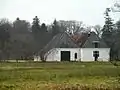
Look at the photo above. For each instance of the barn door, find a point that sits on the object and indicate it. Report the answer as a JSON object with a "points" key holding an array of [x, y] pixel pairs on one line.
{"points": [[65, 55], [95, 55]]}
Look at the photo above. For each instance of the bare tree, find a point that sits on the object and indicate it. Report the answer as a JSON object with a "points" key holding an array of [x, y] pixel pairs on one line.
{"points": [[71, 26], [98, 29]]}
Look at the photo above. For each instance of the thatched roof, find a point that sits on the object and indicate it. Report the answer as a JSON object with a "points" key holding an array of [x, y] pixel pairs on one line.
{"points": [[94, 37], [61, 40], [80, 39]]}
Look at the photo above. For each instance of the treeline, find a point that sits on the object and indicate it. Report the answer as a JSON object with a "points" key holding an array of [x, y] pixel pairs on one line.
{"points": [[21, 40]]}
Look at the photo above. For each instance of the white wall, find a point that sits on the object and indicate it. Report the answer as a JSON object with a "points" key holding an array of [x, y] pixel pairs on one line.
{"points": [[87, 54], [83, 54], [55, 54], [52, 55], [37, 58]]}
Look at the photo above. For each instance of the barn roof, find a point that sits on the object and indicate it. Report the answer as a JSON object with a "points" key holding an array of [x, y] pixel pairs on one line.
{"points": [[93, 38], [61, 40], [80, 39]]}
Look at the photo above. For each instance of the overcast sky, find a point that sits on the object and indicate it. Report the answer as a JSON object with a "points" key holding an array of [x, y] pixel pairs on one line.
{"points": [[88, 11]]}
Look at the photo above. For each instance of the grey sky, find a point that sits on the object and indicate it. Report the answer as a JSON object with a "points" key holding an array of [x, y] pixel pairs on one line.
{"points": [[88, 11]]}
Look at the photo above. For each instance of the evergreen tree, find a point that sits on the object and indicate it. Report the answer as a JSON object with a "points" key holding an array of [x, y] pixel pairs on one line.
{"points": [[108, 31], [43, 28], [108, 28], [36, 25], [55, 28]]}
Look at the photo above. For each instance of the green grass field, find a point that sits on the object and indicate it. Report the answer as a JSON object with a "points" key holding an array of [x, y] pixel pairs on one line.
{"points": [[59, 76]]}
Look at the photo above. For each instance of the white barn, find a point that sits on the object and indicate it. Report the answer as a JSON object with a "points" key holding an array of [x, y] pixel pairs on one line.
{"points": [[63, 48], [64, 54]]}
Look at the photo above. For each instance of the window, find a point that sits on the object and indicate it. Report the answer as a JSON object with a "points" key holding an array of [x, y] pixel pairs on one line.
{"points": [[96, 44], [75, 55], [96, 55]]}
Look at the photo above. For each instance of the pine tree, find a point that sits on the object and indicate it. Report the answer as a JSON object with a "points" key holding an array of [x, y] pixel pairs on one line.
{"points": [[36, 25], [107, 28], [43, 28], [55, 28], [107, 34]]}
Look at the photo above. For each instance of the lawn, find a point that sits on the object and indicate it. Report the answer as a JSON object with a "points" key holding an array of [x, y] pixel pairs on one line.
{"points": [[59, 76]]}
